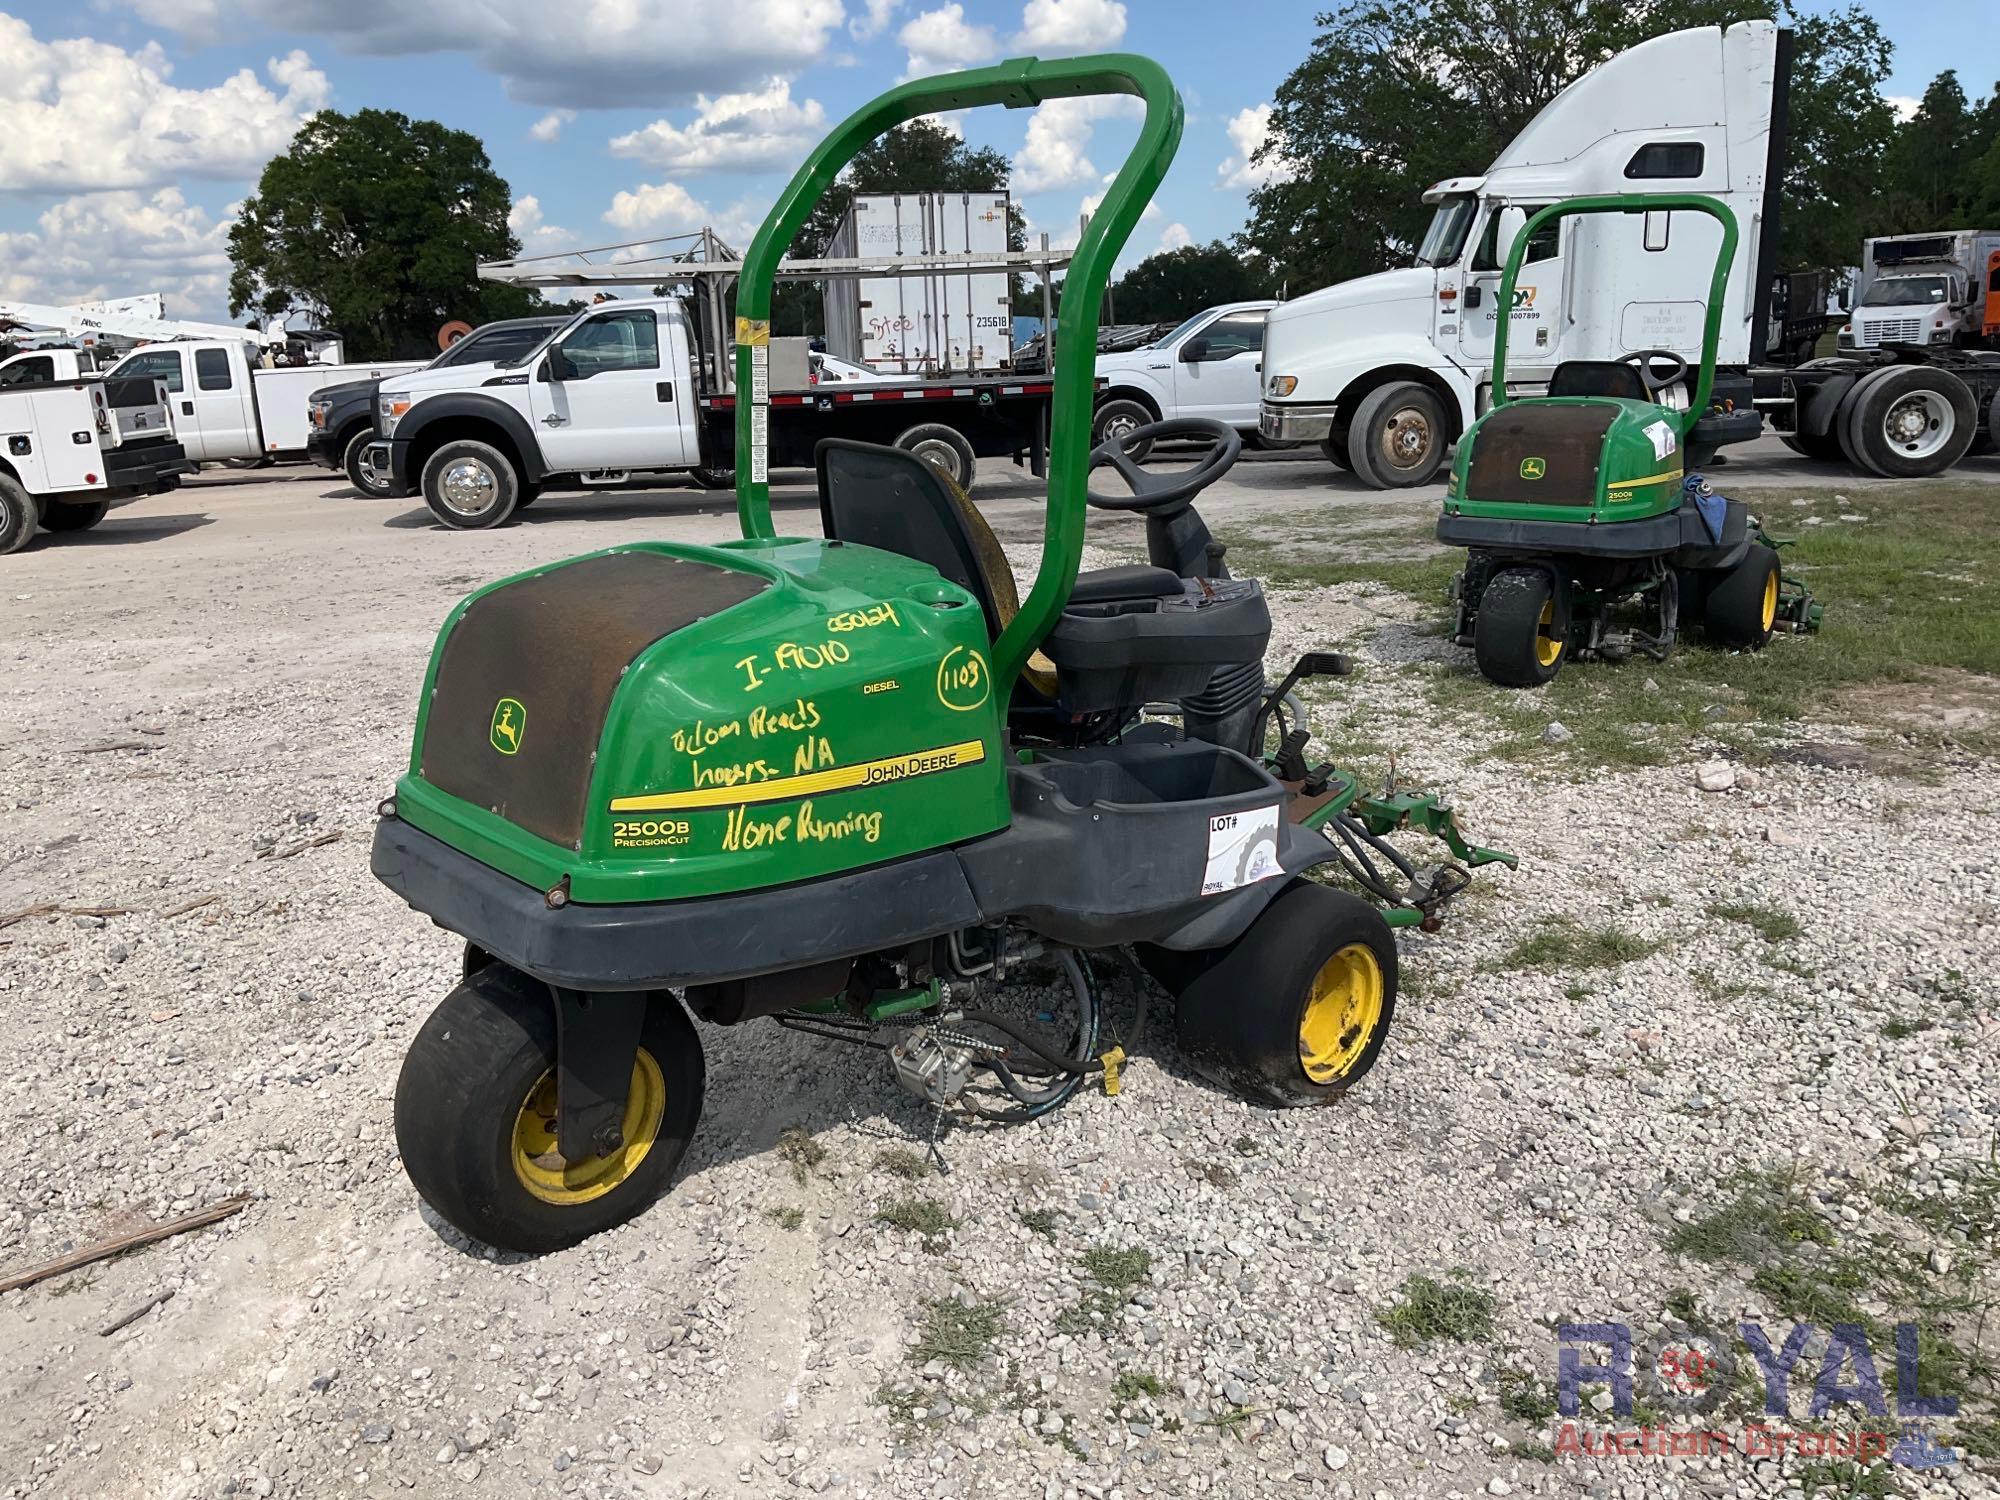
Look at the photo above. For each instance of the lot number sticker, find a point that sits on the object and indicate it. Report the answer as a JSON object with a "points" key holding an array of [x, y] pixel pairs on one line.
{"points": [[1242, 850]]}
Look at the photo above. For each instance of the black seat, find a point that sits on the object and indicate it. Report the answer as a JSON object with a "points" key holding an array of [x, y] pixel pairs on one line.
{"points": [[1598, 377], [1133, 581]]}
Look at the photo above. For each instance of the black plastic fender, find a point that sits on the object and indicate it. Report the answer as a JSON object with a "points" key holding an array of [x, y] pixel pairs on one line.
{"points": [[1819, 404], [431, 410]]}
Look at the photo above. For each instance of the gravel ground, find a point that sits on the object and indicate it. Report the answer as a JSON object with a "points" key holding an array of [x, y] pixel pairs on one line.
{"points": [[203, 702]]}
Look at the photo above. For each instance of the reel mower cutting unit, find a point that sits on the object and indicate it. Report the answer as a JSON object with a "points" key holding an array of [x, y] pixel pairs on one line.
{"points": [[1582, 500], [854, 782]]}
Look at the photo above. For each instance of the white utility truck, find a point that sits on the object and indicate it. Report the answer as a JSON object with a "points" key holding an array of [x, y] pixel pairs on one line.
{"points": [[1923, 289], [1386, 371], [70, 446], [1210, 366]]}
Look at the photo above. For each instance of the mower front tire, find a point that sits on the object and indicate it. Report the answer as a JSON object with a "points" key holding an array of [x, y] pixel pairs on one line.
{"points": [[1742, 604], [471, 486], [475, 1109], [1521, 634], [1295, 1011]]}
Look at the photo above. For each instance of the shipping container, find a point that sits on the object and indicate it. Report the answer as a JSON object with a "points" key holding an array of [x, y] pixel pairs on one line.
{"points": [[941, 323]]}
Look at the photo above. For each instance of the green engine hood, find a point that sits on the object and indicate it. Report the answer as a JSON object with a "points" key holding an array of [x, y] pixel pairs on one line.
{"points": [[1569, 458], [657, 721]]}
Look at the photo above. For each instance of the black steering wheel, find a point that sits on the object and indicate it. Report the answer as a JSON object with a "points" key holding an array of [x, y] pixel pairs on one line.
{"points": [[1163, 494], [1654, 382]]}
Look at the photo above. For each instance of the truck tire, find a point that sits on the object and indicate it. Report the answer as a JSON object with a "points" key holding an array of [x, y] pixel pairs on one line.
{"points": [[945, 449], [470, 486], [364, 479], [1825, 446], [74, 515], [1334, 447], [1908, 422], [18, 516], [711, 478], [1115, 419], [1398, 436]]}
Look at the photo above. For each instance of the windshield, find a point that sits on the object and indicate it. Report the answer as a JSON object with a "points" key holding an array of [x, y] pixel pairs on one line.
{"points": [[1446, 237], [1907, 291], [1161, 343]]}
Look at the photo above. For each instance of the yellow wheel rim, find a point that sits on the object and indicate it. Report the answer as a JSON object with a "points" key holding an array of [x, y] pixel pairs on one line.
{"points": [[1770, 598], [1343, 1010], [1548, 648], [541, 1168]]}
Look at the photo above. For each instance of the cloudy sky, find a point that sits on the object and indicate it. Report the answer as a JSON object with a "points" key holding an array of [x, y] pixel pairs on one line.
{"points": [[129, 128]]}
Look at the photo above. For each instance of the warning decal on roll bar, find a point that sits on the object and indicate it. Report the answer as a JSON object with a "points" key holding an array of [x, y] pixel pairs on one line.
{"points": [[1242, 850]]}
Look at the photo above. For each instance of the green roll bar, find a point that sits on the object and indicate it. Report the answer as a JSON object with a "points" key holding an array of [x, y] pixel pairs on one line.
{"points": [[1628, 203], [1018, 84]]}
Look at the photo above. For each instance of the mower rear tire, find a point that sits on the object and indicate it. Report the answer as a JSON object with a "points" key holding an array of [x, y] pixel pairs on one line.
{"points": [[1295, 1011], [74, 515], [476, 1099], [1742, 604], [1521, 635], [471, 486], [19, 516], [1398, 437]]}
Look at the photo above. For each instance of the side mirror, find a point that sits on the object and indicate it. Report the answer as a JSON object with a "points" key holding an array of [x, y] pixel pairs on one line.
{"points": [[1194, 351], [1846, 298], [1512, 222]]}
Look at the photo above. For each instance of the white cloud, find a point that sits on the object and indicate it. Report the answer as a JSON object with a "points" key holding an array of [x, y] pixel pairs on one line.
{"points": [[744, 132], [665, 206], [549, 127], [584, 54], [942, 40], [81, 114], [537, 236], [1092, 200], [1053, 156], [1055, 26], [1175, 237], [121, 243], [1903, 105], [873, 18], [1248, 130]]}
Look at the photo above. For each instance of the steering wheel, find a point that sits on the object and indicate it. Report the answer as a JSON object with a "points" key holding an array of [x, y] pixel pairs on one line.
{"points": [[1642, 361], [1164, 494]]}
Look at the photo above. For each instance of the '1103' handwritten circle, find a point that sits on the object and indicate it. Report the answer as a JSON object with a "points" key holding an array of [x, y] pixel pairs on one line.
{"points": [[964, 681]]}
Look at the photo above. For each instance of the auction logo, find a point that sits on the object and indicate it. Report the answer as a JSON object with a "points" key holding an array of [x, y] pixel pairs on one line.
{"points": [[1690, 1374]]}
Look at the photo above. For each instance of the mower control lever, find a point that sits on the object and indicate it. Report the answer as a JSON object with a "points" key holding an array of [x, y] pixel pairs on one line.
{"points": [[1166, 494]]}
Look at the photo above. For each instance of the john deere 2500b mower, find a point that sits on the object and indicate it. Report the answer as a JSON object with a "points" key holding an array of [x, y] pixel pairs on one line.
{"points": [[1583, 500], [853, 782]]}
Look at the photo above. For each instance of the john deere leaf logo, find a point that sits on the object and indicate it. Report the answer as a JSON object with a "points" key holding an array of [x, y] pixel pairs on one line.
{"points": [[1533, 468], [510, 722]]}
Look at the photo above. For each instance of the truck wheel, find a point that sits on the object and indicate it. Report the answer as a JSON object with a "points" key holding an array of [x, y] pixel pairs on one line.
{"points": [[470, 486], [474, 1101], [1295, 1011], [944, 449], [713, 479], [1824, 447], [1907, 422], [1334, 447], [1116, 418], [1742, 604], [359, 474], [1521, 634], [1398, 436], [18, 518], [74, 515]]}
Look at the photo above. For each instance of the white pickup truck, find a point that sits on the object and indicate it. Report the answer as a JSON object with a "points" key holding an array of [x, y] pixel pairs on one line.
{"points": [[1210, 366], [70, 446]]}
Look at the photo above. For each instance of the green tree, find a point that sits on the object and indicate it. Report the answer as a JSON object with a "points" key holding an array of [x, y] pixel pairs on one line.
{"points": [[1395, 96], [376, 222], [1942, 170], [921, 156], [1167, 287]]}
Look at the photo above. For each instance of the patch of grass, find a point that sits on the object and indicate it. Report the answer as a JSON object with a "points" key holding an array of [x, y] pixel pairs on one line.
{"points": [[1772, 923], [1431, 1309], [1042, 1221], [1566, 944], [1683, 1309], [1526, 1398], [1846, 1480], [1534, 1453], [956, 1333], [76, 1281], [789, 1217], [900, 1161], [1769, 1216], [798, 1150], [1132, 1384], [924, 1216], [1980, 1439], [1897, 1028], [1120, 1270]]}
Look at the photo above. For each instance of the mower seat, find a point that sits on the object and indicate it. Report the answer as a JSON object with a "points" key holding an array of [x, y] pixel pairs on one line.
{"points": [[1128, 636]]}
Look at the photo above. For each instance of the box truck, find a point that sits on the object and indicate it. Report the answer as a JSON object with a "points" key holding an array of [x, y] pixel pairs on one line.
{"points": [[940, 323]]}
